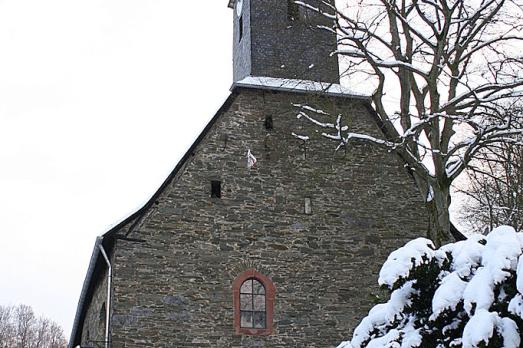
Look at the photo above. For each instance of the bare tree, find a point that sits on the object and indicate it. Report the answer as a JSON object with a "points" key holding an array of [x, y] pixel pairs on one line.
{"points": [[55, 337], [21, 328], [25, 321], [42, 329], [7, 331], [495, 189], [440, 72]]}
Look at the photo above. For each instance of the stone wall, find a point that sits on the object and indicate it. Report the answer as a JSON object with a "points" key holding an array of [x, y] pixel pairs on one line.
{"points": [[242, 46], [93, 330], [273, 46], [174, 289], [291, 49]]}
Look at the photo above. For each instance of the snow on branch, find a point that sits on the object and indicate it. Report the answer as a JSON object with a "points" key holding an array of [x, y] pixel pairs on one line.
{"points": [[318, 10], [342, 133], [301, 137], [489, 89], [439, 72]]}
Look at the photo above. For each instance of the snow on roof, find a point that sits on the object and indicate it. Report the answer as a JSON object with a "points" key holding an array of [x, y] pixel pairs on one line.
{"points": [[292, 85]]}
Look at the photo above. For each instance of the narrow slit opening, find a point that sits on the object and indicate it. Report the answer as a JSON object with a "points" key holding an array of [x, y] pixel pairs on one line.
{"points": [[268, 123], [240, 26], [216, 189]]}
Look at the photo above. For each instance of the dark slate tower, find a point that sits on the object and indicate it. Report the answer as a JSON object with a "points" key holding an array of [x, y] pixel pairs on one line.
{"points": [[280, 39]]}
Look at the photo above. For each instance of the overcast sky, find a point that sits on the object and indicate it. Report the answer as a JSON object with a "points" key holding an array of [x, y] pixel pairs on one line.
{"points": [[99, 99]]}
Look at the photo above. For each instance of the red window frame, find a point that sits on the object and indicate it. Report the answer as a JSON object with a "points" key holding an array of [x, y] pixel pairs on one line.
{"points": [[270, 292]]}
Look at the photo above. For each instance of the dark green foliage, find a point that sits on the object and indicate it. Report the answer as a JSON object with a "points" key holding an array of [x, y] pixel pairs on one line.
{"points": [[418, 322]]}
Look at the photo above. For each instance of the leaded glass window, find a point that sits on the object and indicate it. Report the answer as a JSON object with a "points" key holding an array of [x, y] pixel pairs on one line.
{"points": [[253, 305]]}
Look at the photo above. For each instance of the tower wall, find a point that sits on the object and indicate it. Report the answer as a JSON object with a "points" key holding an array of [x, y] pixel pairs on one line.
{"points": [[242, 61], [275, 46]]}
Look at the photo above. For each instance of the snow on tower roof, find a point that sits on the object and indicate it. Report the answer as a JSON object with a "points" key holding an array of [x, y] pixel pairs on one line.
{"points": [[292, 85]]}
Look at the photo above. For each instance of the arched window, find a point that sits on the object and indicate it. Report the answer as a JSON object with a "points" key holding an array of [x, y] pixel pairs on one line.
{"points": [[252, 305], [253, 300]]}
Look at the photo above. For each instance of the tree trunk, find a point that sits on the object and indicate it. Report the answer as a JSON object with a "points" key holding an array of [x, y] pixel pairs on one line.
{"points": [[439, 230]]}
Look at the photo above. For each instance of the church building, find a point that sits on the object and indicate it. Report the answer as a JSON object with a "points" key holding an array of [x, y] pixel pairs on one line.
{"points": [[263, 235]]}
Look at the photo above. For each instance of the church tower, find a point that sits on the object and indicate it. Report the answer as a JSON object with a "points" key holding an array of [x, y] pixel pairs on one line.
{"points": [[281, 39], [261, 236]]}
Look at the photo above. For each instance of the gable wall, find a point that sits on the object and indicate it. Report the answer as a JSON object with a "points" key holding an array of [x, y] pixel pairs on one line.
{"points": [[174, 290]]}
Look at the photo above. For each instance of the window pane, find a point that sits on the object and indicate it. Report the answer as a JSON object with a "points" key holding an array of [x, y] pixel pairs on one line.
{"points": [[246, 302], [258, 287], [259, 302], [259, 320], [246, 319], [246, 287]]}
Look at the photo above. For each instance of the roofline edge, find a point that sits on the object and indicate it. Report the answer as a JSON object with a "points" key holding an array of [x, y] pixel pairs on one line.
{"points": [[85, 289], [239, 84], [137, 215]]}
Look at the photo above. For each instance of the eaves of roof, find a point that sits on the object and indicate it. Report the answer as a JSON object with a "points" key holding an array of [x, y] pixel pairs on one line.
{"points": [[74, 340]]}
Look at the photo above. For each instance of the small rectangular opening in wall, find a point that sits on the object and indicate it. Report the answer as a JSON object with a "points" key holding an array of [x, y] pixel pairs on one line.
{"points": [[268, 122], [216, 189], [240, 26], [308, 206]]}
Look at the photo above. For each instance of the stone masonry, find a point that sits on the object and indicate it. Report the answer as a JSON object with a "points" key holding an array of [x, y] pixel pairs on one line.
{"points": [[173, 289], [273, 46], [93, 330]]}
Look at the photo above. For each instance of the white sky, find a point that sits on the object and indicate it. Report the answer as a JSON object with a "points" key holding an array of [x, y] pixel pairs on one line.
{"points": [[98, 101]]}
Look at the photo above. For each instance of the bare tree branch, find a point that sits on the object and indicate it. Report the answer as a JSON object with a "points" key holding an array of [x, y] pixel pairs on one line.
{"points": [[453, 68]]}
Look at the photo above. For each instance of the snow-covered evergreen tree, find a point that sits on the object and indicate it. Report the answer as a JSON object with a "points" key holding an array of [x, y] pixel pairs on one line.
{"points": [[466, 294]]}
